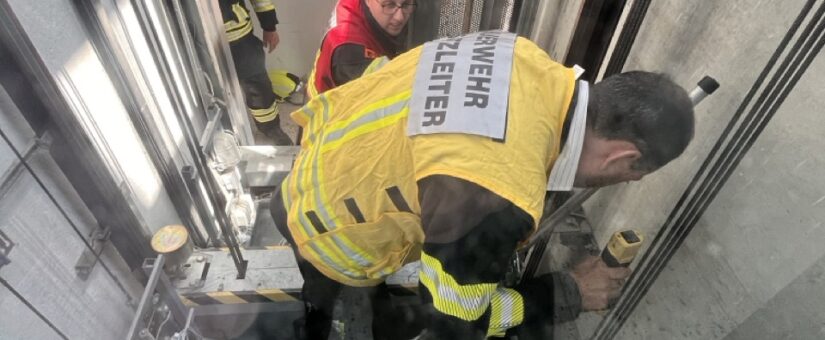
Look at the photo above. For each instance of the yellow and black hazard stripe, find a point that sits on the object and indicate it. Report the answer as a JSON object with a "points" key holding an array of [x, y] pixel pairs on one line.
{"points": [[226, 249], [267, 296], [240, 297]]}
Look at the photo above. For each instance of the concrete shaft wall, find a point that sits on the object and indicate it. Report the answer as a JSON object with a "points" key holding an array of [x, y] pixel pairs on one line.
{"points": [[753, 266], [302, 27]]}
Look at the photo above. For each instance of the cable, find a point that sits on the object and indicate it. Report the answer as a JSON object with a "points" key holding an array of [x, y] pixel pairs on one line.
{"points": [[678, 214], [160, 328], [151, 317], [788, 83], [64, 214], [682, 234], [734, 150], [655, 261], [638, 11], [33, 309]]}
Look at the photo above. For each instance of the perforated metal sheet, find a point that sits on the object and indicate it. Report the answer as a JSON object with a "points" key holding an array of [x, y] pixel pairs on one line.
{"points": [[451, 20], [506, 15], [454, 14], [475, 21]]}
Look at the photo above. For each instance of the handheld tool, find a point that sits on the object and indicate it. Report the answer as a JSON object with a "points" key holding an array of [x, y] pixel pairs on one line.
{"points": [[622, 248]]}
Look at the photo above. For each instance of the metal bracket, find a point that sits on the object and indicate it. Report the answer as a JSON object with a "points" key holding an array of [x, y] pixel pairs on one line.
{"points": [[159, 291], [190, 176], [184, 333], [6, 179], [89, 258], [5, 248], [215, 113]]}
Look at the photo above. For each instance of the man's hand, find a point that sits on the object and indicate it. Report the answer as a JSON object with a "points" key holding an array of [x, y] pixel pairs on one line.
{"points": [[598, 283], [271, 40]]}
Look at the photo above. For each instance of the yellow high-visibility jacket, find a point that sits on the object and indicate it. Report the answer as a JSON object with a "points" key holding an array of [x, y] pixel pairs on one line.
{"points": [[352, 199]]}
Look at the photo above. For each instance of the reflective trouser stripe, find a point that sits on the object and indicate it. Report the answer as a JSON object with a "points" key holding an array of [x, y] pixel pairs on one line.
{"points": [[507, 311], [466, 302], [238, 32], [262, 5], [265, 115]]}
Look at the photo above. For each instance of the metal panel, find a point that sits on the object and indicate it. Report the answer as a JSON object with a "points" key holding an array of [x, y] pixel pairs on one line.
{"points": [[21, 136], [181, 66], [267, 166], [117, 39], [550, 24], [452, 18], [496, 15], [476, 8], [168, 301], [271, 267], [459, 17], [86, 111], [204, 43], [42, 261], [25, 324]]}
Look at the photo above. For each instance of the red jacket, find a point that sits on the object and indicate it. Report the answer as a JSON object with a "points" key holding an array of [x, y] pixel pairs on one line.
{"points": [[351, 27]]}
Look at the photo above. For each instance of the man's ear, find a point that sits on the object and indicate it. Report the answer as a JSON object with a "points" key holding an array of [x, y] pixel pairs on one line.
{"points": [[625, 154]]}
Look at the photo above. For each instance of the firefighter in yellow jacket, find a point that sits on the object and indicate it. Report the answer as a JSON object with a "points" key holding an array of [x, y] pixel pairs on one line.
{"points": [[444, 155], [248, 54]]}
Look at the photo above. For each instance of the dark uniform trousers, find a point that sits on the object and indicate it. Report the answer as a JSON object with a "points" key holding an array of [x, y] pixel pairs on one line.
{"points": [[250, 64]]}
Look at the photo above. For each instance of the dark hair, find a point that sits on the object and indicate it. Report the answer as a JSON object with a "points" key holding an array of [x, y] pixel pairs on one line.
{"points": [[647, 109]]}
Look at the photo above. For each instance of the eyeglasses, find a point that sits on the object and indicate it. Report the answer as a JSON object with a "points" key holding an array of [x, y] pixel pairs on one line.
{"points": [[389, 8]]}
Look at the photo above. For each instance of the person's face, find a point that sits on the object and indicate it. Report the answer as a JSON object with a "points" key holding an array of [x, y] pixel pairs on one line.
{"points": [[391, 15]]}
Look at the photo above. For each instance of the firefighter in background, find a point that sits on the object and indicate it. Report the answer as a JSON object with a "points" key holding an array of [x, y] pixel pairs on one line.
{"points": [[445, 155], [365, 32], [250, 64]]}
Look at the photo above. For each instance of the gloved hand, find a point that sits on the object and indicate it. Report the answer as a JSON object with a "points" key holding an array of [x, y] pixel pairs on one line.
{"points": [[598, 283]]}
